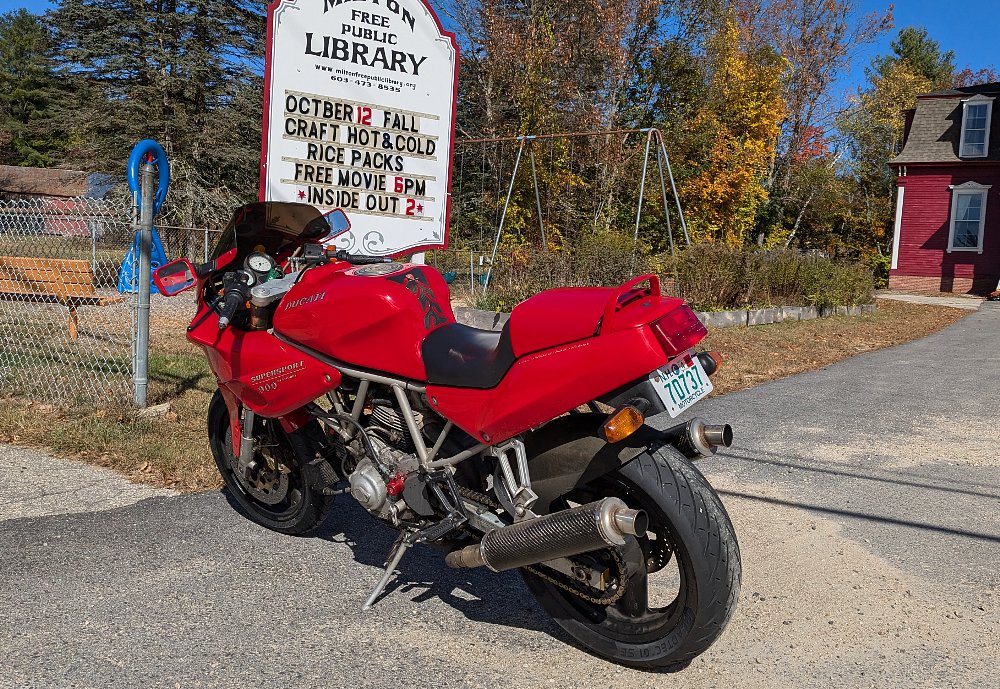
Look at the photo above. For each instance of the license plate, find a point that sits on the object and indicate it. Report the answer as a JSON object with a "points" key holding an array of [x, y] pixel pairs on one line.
{"points": [[680, 384]]}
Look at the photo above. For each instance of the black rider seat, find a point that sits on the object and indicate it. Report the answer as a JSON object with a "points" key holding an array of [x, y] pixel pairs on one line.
{"points": [[460, 356]]}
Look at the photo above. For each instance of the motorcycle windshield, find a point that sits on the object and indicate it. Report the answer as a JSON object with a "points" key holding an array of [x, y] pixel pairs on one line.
{"points": [[271, 227]]}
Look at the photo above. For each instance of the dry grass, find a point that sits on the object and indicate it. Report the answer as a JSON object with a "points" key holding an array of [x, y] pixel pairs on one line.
{"points": [[169, 450], [172, 450]]}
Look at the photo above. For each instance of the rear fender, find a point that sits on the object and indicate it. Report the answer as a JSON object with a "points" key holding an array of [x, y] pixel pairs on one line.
{"points": [[568, 452]]}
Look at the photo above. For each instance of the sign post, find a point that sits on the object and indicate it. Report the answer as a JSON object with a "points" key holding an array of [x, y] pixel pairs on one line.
{"points": [[359, 114]]}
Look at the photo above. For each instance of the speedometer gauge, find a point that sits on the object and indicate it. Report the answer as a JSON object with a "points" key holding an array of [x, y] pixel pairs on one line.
{"points": [[260, 263]]}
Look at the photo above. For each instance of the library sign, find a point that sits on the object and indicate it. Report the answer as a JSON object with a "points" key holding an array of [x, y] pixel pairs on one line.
{"points": [[359, 114]]}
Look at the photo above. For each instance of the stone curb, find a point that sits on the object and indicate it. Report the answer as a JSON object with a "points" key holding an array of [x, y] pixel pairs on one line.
{"points": [[477, 318], [489, 320]]}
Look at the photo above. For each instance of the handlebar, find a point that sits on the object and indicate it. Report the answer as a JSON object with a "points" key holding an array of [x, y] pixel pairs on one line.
{"points": [[360, 260], [237, 289], [236, 284]]}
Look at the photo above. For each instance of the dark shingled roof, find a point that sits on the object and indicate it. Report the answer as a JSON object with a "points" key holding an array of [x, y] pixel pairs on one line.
{"points": [[936, 131], [50, 182]]}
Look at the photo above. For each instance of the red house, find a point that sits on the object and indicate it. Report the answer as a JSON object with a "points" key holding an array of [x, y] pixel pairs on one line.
{"points": [[947, 229]]}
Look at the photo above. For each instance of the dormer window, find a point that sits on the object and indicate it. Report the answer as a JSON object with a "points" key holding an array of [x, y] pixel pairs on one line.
{"points": [[976, 113]]}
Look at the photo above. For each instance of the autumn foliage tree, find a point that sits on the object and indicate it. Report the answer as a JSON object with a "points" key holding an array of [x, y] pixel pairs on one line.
{"points": [[731, 141]]}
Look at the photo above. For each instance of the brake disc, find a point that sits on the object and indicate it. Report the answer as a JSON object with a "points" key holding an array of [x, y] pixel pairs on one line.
{"points": [[266, 478]]}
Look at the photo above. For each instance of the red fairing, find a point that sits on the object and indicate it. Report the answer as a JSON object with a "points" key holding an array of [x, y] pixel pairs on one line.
{"points": [[544, 385], [366, 319], [269, 377]]}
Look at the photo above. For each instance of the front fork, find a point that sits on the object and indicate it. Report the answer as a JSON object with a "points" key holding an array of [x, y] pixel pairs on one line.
{"points": [[241, 423], [246, 441]]}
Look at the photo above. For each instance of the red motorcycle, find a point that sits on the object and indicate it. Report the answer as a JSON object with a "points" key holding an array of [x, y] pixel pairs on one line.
{"points": [[348, 374]]}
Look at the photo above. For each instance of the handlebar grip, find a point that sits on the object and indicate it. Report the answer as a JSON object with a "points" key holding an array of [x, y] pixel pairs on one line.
{"points": [[230, 303], [359, 260]]}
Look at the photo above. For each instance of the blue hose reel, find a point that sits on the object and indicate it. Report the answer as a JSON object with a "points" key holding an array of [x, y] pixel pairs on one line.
{"points": [[146, 150]]}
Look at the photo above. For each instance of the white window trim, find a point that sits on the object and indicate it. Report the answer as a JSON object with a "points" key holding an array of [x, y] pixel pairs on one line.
{"points": [[897, 227], [968, 187], [977, 100]]}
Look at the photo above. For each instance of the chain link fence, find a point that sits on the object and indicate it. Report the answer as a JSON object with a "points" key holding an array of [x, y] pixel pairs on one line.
{"points": [[66, 330], [67, 318]]}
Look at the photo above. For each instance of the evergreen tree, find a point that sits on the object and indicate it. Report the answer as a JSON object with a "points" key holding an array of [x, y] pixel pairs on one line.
{"points": [[29, 133], [184, 72], [921, 54]]}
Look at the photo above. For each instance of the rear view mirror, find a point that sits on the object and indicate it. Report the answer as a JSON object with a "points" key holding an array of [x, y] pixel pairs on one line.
{"points": [[175, 277], [339, 222]]}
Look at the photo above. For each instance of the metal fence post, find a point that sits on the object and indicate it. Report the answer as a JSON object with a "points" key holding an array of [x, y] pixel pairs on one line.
{"points": [[141, 376]]}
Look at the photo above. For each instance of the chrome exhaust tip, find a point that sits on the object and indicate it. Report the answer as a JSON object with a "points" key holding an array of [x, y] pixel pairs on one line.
{"points": [[699, 439]]}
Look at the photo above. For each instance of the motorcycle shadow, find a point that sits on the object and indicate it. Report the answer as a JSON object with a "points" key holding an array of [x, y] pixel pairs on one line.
{"points": [[480, 595]]}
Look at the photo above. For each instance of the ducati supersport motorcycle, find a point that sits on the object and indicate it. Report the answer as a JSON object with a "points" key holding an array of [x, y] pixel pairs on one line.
{"points": [[345, 374]]}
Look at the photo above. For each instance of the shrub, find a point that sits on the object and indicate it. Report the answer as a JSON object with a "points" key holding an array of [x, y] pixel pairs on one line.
{"points": [[713, 277], [710, 277], [879, 265], [602, 258], [518, 274]]}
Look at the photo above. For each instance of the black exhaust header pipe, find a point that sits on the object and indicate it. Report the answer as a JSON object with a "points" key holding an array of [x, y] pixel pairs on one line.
{"points": [[696, 438]]}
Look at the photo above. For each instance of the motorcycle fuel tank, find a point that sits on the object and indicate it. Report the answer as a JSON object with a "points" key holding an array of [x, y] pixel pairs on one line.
{"points": [[373, 317]]}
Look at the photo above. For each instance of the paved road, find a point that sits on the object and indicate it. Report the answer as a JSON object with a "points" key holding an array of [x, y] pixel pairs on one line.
{"points": [[955, 301], [865, 496]]}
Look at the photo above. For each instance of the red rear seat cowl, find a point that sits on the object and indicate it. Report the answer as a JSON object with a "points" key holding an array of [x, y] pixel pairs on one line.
{"points": [[557, 316]]}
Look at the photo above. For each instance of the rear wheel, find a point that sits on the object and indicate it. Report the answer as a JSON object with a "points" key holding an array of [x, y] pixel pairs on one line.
{"points": [[683, 575], [277, 490]]}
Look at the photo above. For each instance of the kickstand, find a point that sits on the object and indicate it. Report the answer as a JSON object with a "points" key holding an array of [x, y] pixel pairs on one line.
{"points": [[399, 549]]}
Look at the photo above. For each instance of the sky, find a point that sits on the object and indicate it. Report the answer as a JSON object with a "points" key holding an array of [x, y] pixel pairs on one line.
{"points": [[971, 33]]}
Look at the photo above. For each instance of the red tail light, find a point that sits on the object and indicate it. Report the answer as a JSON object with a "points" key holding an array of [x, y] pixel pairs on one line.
{"points": [[679, 330]]}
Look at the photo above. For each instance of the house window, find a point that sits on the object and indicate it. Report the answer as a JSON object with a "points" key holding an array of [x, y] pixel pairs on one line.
{"points": [[968, 217], [976, 127]]}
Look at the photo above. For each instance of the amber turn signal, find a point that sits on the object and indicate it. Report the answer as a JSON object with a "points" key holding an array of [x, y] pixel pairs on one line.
{"points": [[710, 361], [625, 421]]}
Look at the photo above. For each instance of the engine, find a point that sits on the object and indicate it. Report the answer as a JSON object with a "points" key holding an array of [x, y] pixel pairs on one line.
{"points": [[379, 488]]}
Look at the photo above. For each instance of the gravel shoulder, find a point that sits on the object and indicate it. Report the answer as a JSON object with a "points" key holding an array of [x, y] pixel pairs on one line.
{"points": [[35, 484]]}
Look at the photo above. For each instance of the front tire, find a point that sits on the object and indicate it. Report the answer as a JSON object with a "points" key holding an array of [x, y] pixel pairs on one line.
{"points": [[689, 526], [286, 501]]}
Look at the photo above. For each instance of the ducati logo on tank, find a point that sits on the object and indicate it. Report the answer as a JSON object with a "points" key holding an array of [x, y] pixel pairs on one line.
{"points": [[359, 114]]}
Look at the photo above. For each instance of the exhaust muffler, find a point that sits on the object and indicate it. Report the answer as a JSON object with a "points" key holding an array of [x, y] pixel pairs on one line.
{"points": [[570, 532], [696, 438]]}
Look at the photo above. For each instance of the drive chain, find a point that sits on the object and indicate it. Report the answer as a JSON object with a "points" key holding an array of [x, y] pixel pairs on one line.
{"points": [[570, 586]]}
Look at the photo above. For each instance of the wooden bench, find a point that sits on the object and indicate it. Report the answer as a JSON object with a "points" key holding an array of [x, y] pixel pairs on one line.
{"points": [[69, 282]]}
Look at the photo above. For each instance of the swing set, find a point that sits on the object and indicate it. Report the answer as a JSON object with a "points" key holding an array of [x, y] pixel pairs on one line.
{"points": [[470, 201]]}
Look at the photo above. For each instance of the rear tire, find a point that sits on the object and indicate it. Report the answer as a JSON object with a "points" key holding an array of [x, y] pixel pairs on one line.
{"points": [[686, 510], [300, 508]]}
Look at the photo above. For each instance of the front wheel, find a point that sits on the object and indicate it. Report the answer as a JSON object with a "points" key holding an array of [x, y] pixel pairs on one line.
{"points": [[277, 491], [663, 620]]}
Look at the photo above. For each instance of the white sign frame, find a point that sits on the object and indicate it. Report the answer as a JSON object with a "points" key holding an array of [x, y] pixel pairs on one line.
{"points": [[338, 77]]}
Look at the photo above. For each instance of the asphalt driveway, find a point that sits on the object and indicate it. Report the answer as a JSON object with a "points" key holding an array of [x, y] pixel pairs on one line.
{"points": [[865, 496]]}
